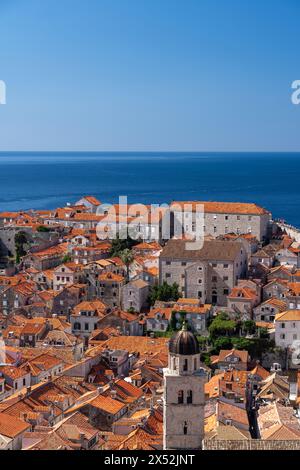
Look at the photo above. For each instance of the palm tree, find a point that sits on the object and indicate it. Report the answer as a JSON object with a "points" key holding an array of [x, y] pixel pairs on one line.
{"points": [[127, 258]]}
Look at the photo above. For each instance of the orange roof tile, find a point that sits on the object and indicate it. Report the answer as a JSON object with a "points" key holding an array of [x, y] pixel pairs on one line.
{"points": [[225, 207], [107, 404], [12, 427]]}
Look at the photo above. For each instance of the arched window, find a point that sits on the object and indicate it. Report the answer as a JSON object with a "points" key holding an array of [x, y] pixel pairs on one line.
{"points": [[185, 365], [195, 364], [189, 396], [174, 363], [180, 396], [185, 428]]}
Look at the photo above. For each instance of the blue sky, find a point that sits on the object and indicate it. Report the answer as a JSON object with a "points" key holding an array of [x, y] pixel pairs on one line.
{"points": [[149, 75]]}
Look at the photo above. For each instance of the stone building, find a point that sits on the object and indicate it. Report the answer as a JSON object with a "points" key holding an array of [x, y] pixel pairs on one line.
{"points": [[287, 328], [135, 294], [109, 288], [208, 274], [67, 274], [221, 218], [184, 400]]}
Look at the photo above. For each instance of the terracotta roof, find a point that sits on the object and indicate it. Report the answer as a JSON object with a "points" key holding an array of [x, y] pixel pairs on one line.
{"points": [[264, 324], [139, 439], [107, 404], [211, 250], [288, 315], [143, 345], [33, 328], [92, 200], [153, 271], [52, 251], [225, 207], [147, 246], [243, 355], [280, 304], [281, 432], [138, 283], [166, 312], [294, 288], [242, 293], [188, 301], [111, 277], [13, 372], [90, 306], [12, 427], [212, 387], [260, 371], [231, 412]]}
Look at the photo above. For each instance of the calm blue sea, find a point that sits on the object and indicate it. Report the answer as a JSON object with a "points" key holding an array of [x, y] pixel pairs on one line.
{"points": [[48, 180]]}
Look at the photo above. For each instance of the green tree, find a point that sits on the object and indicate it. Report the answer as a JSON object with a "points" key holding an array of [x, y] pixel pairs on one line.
{"points": [[66, 259], [249, 326], [42, 228], [131, 310], [122, 242], [164, 292], [263, 332], [127, 258], [173, 321], [20, 241], [223, 342], [221, 326]]}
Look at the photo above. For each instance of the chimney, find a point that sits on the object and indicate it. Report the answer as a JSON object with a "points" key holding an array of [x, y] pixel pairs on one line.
{"points": [[82, 437]]}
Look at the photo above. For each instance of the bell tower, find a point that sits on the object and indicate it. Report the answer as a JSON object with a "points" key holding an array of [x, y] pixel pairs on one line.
{"points": [[184, 401]]}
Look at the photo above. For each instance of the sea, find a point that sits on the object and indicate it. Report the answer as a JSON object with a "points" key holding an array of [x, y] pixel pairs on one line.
{"points": [[46, 180]]}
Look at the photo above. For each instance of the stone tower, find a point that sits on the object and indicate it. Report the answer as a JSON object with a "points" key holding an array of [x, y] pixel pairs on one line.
{"points": [[184, 381]]}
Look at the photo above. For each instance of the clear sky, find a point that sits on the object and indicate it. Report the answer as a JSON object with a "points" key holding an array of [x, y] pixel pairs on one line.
{"points": [[149, 74]]}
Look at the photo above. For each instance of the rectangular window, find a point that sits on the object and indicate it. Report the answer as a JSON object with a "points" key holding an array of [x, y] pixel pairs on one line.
{"points": [[189, 397]]}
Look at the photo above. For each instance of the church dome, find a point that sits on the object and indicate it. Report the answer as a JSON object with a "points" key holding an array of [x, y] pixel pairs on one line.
{"points": [[184, 342]]}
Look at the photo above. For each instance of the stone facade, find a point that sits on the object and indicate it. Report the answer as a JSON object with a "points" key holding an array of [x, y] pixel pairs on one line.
{"points": [[221, 218], [208, 274], [183, 402], [135, 295]]}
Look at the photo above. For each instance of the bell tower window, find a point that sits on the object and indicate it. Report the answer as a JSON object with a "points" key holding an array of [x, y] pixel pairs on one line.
{"points": [[180, 397], [185, 365], [185, 428], [189, 396]]}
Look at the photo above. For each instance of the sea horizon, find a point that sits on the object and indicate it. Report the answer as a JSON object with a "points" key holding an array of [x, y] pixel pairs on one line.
{"points": [[49, 179]]}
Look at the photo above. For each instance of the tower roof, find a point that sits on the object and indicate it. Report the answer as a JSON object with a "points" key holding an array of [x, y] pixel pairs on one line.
{"points": [[184, 342]]}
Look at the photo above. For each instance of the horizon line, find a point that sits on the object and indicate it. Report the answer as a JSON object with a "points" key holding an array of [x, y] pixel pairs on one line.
{"points": [[153, 151]]}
